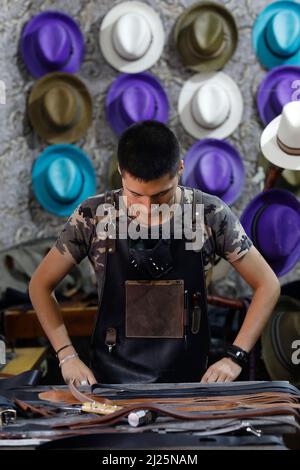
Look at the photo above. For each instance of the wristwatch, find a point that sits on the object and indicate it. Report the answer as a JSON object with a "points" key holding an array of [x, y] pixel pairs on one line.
{"points": [[237, 355]]}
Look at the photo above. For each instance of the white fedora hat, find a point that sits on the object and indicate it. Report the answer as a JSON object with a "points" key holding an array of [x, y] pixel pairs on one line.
{"points": [[131, 37], [210, 105], [280, 141]]}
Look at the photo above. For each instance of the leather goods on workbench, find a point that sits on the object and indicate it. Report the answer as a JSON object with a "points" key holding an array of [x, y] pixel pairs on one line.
{"points": [[263, 402]]}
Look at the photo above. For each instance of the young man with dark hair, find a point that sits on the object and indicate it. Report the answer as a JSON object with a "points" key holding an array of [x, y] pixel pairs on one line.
{"points": [[152, 323]]}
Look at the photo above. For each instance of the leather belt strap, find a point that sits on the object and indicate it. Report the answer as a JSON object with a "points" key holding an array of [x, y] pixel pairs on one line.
{"points": [[117, 416], [201, 389]]}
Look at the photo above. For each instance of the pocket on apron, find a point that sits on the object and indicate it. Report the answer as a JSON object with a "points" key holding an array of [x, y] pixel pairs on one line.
{"points": [[154, 309]]}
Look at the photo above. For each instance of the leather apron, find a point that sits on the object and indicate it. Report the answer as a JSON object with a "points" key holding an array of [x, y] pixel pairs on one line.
{"points": [[140, 333]]}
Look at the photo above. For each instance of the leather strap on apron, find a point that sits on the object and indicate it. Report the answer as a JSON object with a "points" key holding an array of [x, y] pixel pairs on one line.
{"points": [[130, 357]]}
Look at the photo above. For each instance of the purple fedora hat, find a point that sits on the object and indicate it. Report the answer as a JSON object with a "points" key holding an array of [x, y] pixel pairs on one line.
{"points": [[272, 221], [278, 88], [135, 97], [215, 167], [52, 42]]}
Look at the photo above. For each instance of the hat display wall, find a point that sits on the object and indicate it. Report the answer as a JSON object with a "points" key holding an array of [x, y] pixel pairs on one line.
{"points": [[206, 36], [280, 141], [62, 177], [52, 41], [131, 37], [276, 34], [263, 220], [278, 88], [210, 105], [135, 97], [281, 331], [215, 167], [60, 108]]}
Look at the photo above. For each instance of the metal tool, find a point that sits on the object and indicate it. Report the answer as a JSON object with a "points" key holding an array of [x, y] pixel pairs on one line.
{"points": [[141, 417]]}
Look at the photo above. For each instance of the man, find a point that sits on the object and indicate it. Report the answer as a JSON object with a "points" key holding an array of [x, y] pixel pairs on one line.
{"points": [[152, 321]]}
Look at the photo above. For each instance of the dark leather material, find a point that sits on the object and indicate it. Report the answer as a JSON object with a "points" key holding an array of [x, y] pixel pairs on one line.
{"points": [[28, 378], [233, 388], [157, 441], [150, 360]]}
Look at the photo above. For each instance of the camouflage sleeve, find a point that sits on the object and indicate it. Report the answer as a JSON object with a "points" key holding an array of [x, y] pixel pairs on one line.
{"points": [[75, 237], [230, 239]]}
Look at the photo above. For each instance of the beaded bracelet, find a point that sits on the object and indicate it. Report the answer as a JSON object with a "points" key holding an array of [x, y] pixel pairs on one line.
{"points": [[67, 358]]}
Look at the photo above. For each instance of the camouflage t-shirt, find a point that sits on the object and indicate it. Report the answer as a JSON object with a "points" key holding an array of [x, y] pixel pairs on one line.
{"points": [[224, 235]]}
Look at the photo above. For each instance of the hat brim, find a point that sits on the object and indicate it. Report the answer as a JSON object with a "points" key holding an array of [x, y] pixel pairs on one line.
{"points": [[272, 151], [39, 173], [220, 270], [266, 113], [275, 368], [27, 44], [230, 32], [273, 196], [36, 115], [236, 106], [263, 53], [113, 114], [197, 151], [106, 42]]}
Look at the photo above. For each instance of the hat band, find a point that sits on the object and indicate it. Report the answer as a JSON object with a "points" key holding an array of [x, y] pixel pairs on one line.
{"points": [[287, 149]]}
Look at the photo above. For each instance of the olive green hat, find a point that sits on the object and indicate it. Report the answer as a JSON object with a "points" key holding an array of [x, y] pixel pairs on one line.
{"points": [[206, 36], [60, 108]]}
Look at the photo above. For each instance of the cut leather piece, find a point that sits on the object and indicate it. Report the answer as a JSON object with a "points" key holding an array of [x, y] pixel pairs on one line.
{"points": [[154, 309], [128, 391], [65, 396], [35, 410]]}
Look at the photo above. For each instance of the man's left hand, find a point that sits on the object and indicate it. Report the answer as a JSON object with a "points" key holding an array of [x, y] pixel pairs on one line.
{"points": [[224, 370]]}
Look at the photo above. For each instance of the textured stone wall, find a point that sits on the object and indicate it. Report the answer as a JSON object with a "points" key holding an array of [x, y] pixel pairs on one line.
{"points": [[21, 216]]}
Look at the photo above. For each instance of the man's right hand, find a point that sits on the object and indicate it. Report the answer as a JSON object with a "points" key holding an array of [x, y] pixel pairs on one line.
{"points": [[76, 369]]}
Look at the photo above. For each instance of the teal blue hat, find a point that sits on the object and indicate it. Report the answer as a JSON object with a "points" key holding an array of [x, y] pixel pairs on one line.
{"points": [[62, 177], [276, 34]]}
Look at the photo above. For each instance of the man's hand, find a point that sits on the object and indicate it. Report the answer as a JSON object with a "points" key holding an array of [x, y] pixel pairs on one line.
{"points": [[76, 369], [224, 370]]}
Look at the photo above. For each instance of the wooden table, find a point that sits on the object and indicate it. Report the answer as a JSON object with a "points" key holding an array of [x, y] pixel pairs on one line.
{"points": [[25, 359], [20, 323]]}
